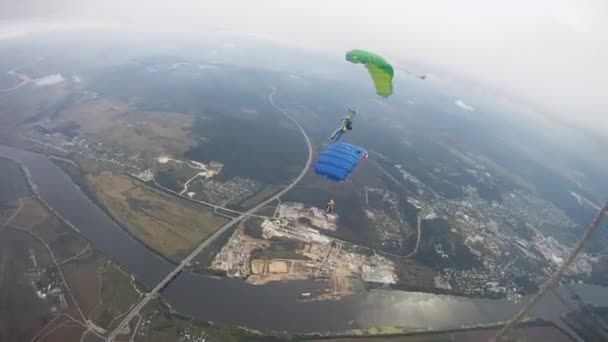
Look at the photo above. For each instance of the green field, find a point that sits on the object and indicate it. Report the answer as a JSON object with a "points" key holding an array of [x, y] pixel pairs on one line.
{"points": [[117, 296], [165, 326], [168, 224], [531, 331]]}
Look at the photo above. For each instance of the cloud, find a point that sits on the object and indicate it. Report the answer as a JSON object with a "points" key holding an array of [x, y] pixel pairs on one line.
{"points": [[10, 29], [464, 106], [49, 80], [549, 54]]}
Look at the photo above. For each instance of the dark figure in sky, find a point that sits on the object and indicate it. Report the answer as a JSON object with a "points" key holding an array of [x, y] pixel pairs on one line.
{"points": [[330, 208], [347, 125]]}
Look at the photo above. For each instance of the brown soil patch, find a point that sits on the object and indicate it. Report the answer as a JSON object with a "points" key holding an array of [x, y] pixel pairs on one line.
{"points": [[70, 331], [32, 214], [258, 266], [83, 278], [279, 266]]}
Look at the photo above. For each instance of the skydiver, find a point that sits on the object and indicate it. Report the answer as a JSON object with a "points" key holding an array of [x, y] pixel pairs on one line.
{"points": [[330, 208], [347, 125]]}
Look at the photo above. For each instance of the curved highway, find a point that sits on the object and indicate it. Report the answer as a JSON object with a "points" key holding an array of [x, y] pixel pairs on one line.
{"points": [[152, 294]]}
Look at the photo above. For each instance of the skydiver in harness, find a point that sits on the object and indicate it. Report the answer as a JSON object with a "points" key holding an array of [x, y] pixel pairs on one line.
{"points": [[330, 208], [347, 125]]}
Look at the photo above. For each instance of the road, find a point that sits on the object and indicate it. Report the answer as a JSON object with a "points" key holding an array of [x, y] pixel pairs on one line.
{"points": [[152, 294], [419, 228]]}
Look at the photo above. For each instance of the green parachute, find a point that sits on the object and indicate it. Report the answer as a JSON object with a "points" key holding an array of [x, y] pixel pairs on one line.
{"points": [[379, 69]]}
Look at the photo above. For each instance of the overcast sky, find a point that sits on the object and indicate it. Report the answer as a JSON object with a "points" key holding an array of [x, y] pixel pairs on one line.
{"points": [[549, 54]]}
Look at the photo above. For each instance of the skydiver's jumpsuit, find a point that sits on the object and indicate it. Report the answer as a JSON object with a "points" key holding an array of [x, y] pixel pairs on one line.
{"points": [[347, 125], [329, 208]]}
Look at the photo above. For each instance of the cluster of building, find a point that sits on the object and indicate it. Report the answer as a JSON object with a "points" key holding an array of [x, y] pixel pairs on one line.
{"points": [[223, 193], [317, 255], [186, 333], [520, 236], [411, 178], [145, 323], [47, 284], [378, 271], [106, 155], [311, 217], [386, 222], [482, 281], [189, 335], [387, 231]]}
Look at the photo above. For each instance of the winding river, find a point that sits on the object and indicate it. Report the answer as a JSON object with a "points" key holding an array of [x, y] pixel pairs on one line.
{"points": [[272, 307]]}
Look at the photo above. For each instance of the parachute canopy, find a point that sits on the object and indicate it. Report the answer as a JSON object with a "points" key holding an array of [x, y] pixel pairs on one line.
{"points": [[379, 69], [338, 160]]}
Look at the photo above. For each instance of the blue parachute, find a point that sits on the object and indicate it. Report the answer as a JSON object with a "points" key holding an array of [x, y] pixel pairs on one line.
{"points": [[338, 160]]}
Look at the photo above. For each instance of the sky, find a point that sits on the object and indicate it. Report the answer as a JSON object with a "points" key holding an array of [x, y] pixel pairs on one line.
{"points": [[551, 55]]}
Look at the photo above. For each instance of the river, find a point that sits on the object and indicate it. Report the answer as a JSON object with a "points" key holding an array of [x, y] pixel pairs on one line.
{"points": [[272, 307]]}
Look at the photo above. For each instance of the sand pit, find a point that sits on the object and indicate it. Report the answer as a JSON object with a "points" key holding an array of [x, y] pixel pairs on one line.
{"points": [[279, 266], [257, 266]]}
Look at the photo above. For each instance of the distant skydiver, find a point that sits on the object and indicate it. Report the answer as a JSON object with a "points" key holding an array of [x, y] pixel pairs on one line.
{"points": [[346, 125], [330, 208], [421, 76]]}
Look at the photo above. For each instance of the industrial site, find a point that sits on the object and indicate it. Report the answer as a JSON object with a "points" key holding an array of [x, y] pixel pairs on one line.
{"points": [[255, 252]]}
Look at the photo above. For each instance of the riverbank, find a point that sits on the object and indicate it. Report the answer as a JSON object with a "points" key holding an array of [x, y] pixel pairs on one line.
{"points": [[537, 330]]}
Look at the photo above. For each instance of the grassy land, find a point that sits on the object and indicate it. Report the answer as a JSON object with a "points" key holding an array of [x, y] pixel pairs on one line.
{"points": [[32, 214], [167, 224], [22, 313], [535, 331], [64, 241], [131, 129], [101, 290], [165, 326], [173, 175], [389, 339], [13, 184], [117, 296], [65, 332], [82, 275], [266, 192]]}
